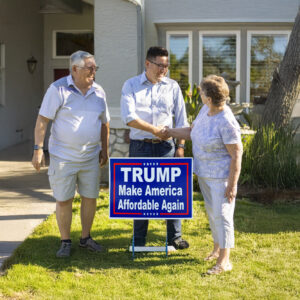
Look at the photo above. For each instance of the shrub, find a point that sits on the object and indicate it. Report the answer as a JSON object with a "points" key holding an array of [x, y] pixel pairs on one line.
{"points": [[270, 159], [196, 187], [246, 140], [193, 102]]}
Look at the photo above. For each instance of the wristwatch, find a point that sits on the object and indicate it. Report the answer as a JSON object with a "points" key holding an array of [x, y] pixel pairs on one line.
{"points": [[37, 147], [181, 146]]}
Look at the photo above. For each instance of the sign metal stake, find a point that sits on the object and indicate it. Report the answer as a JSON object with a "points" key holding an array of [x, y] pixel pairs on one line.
{"points": [[133, 242], [167, 244]]}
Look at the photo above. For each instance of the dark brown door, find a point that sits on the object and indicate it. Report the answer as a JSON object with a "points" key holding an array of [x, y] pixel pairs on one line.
{"points": [[59, 73]]}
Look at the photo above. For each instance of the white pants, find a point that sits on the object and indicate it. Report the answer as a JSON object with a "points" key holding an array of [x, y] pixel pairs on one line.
{"points": [[219, 210]]}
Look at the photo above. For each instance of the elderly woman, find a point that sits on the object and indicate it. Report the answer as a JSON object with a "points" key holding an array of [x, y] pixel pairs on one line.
{"points": [[217, 151]]}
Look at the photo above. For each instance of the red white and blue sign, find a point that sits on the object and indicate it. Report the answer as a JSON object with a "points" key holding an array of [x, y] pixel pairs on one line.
{"points": [[151, 188]]}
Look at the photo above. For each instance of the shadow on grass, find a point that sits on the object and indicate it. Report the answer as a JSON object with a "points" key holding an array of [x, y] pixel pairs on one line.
{"points": [[252, 217], [255, 217], [40, 251]]}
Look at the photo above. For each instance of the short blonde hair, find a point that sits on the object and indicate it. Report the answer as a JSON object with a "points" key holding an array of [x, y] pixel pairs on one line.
{"points": [[216, 88]]}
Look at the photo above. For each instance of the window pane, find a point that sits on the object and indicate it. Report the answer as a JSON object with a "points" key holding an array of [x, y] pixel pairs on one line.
{"points": [[179, 59], [67, 43], [266, 53], [219, 57]]}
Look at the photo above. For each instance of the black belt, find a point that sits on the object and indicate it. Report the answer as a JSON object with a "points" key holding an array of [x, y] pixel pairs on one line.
{"points": [[153, 141]]}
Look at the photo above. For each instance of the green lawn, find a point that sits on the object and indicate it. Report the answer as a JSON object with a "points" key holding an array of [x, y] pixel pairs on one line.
{"points": [[266, 260]]}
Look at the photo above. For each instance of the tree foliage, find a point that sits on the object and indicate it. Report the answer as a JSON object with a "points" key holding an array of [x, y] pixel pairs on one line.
{"points": [[179, 69]]}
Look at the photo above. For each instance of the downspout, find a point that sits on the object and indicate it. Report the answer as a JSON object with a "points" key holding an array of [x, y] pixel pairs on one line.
{"points": [[140, 33]]}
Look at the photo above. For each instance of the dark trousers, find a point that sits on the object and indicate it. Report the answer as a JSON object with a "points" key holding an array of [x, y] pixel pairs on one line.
{"points": [[143, 149]]}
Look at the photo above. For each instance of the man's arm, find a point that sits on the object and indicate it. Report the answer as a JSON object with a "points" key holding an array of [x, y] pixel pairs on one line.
{"points": [[143, 125], [39, 136], [103, 158], [180, 151]]}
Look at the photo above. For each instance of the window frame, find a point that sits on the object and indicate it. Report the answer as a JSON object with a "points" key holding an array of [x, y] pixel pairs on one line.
{"points": [[189, 33], [54, 54], [237, 34], [249, 36], [2, 70]]}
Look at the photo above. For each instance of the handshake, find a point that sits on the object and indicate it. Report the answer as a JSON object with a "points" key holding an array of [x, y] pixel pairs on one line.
{"points": [[163, 132]]}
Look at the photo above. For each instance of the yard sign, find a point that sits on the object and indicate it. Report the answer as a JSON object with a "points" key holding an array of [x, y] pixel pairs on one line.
{"points": [[150, 188]]}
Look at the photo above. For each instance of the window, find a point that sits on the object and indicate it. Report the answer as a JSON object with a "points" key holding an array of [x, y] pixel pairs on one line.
{"points": [[220, 55], [265, 51], [179, 45], [67, 42], [2, 74]]}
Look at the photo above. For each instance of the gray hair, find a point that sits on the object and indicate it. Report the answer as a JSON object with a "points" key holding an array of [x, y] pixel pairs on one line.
{"points": [[77, 58]]}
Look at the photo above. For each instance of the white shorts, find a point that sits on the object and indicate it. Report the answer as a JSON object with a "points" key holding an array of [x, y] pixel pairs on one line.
{"points": [[65, 175]]}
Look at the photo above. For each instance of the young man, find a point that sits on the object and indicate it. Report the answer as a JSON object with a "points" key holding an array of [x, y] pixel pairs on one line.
{"points": [[80, 119], [148, 103]]}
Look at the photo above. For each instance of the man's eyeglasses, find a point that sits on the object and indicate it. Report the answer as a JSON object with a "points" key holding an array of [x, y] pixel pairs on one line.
{"points": [[90, 69], [162, 66]]}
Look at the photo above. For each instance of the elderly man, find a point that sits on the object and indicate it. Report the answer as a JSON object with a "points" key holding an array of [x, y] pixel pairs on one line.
{"points": [[148, 103], [80, 119]]}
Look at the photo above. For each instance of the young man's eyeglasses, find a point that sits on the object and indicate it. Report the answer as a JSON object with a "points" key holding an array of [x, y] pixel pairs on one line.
{"points": [[162, 66], [90, 69]]}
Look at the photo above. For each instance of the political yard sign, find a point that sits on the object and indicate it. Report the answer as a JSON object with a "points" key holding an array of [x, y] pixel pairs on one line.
{"points": [[150, 188]]}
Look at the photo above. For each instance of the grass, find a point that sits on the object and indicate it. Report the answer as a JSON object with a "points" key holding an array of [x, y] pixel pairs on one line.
{"points": [[266, 260]]}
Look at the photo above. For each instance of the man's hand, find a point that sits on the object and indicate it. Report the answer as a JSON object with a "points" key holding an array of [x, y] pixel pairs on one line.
{"points": [[179, 152], [39, 135], [162, 133], [37, 159], [103, 158]]}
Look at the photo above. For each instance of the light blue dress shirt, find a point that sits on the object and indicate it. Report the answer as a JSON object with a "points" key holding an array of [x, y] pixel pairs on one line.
{"points": [[153, 103], [76, 119]]}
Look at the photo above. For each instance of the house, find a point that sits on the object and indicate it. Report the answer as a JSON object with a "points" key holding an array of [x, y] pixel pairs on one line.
{"points": [[244, 39]]}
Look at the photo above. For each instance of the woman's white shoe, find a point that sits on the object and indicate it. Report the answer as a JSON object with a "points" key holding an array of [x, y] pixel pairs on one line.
{"points": [[218, 269]]}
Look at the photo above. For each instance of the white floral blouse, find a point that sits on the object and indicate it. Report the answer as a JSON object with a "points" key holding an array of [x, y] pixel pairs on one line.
{"points": [[209, 136]]}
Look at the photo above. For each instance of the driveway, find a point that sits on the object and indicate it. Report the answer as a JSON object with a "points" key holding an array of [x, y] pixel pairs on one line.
{"points": [[25, 197]]}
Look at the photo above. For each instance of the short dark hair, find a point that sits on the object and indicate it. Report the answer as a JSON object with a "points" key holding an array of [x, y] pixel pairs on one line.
{"points": [[155, 51]]}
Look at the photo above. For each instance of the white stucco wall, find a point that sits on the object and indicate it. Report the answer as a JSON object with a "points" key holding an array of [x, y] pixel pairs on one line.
{"points": [[116, 49], [21, 30], [84, 21], [212, 11]]}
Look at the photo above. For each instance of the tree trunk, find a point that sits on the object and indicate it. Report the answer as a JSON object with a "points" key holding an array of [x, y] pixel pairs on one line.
{"points": [[285, 86]]}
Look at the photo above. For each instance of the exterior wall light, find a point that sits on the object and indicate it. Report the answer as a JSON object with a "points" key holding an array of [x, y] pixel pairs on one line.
{"points": [[31, 64]]}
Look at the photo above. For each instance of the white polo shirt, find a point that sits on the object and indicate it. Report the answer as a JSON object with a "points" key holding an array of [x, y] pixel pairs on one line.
{"points": [[77, 119]]}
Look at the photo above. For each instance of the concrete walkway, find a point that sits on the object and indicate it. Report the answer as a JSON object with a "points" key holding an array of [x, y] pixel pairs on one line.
{"points": [[25, 197]]}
